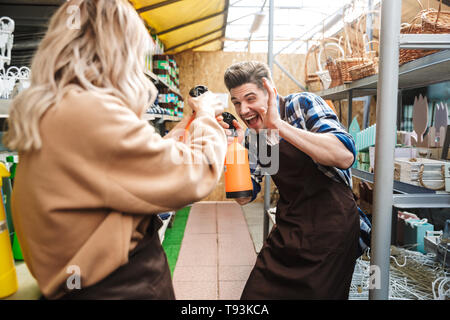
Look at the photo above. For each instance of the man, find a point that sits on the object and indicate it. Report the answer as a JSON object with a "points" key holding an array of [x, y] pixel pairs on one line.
{"points": [[311, 251]]}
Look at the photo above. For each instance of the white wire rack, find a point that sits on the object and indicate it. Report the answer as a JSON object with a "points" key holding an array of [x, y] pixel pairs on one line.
{"points": [[413, 276]]}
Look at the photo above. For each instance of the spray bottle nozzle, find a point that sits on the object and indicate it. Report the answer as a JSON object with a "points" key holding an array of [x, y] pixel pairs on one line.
{"points": [[228, 119], [197, 91]]}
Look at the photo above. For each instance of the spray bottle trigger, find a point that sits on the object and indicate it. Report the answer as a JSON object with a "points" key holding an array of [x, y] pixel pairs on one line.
{"points": [[228, 119]]}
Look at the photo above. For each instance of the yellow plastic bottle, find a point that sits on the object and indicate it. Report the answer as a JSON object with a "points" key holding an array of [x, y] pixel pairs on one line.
{"points": [[8, 276]]}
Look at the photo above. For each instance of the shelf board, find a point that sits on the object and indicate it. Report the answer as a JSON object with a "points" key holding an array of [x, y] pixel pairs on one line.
{"points": [[155, 78], [165, 117], [425, 41], [417, 73], [400, 187], [424, 200]]}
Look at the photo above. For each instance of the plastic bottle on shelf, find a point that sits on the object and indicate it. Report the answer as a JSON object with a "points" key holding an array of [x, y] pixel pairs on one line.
{"points": [[8, 276]]}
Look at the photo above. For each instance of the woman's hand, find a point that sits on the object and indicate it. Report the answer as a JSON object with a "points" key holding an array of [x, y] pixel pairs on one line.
{"points": [[208, 101], [243, 201], [272, 117], [240, 131]]}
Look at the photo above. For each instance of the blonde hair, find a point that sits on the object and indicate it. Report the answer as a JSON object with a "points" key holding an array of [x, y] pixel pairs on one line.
{"points": [[104, 53]]}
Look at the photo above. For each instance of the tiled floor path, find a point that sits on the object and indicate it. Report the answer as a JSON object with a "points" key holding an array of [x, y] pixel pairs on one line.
{"points": [[216, 255]]}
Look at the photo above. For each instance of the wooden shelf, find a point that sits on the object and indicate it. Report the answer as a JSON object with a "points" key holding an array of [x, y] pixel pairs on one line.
{"points": [[157, 80], [164, 117]]}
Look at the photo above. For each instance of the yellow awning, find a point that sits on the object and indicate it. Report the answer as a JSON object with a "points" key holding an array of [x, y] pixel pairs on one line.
{"points": [[186, 24]]}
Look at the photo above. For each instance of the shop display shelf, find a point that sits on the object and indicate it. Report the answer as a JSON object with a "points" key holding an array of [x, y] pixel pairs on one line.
{"points": [[164, 117], [410, 196], [400, 187], [157, 80], [417, 73]]}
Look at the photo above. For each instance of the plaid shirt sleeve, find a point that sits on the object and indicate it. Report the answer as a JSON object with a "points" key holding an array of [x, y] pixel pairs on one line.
{"points": [[309, 111]]}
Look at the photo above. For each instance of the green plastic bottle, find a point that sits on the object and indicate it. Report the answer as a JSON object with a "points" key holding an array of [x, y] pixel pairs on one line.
{"points": [[7, 187]]}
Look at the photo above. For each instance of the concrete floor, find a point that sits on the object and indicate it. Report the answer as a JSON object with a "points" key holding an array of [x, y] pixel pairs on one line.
{"points": [[254, 215], [217, 253]]}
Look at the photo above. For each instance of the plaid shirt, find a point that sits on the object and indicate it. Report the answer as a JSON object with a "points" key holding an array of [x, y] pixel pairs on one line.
{"points": [[310, 112]]}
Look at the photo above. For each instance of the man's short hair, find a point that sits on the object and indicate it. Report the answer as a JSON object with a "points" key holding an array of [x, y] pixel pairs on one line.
{"points": [[246, 72]]}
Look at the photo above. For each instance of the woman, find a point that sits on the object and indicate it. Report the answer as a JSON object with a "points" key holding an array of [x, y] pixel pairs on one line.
{"points": [[92, 174]]}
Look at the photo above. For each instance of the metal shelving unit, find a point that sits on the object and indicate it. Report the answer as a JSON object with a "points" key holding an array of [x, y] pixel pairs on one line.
{"points": [[387, 85], [417, 73], [164, 117], [161, 117]]}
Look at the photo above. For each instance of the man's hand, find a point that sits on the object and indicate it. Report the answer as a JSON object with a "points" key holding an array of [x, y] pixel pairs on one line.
{"points": [[243, 201], [239, 129], [272, 117]]}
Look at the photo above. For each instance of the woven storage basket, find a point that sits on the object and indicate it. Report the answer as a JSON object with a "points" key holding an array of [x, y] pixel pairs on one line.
{"points": [[436, 21], [312, 80], [364, 70], [344, 64], [335, 74], [431, 21], [368, 68], [330, 65], [355, 58], [407, 55], [313, 83]]}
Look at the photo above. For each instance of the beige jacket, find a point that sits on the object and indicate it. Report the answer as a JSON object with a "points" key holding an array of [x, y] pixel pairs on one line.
{"points": [[86, 196]]}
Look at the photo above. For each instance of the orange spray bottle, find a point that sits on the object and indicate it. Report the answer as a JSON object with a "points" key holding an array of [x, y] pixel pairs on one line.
{"points": [[238, 182]]}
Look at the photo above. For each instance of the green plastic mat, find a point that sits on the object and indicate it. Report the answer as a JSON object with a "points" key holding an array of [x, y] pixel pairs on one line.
{"points": [[174, 236]]}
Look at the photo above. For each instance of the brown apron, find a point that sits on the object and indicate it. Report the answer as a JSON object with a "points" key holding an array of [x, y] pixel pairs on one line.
{"points": [[145, 276], [311, 251]]}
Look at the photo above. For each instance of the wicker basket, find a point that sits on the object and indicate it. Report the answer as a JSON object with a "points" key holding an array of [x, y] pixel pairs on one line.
{"points": [[436, 21], [349, 61], [335, 74], [407, 55], [312, 80], [364, 70], [431, 21], [369, 67], [313, 83], [344, 66], [330, 65]]}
